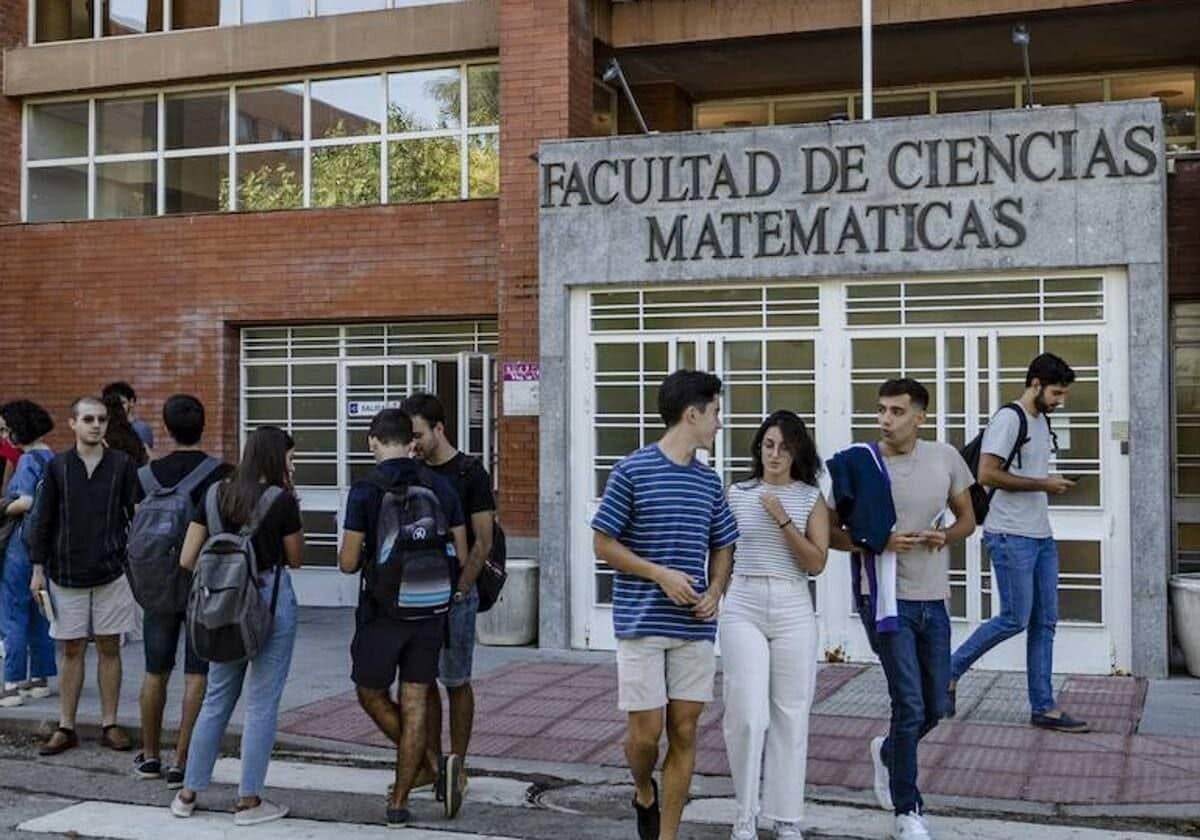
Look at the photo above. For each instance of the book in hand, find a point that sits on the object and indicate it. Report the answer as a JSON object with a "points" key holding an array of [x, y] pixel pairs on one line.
{"points": [[46, 605]]}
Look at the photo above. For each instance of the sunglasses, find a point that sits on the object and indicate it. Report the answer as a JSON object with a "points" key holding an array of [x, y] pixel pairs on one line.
{"points": [[93, 418]]}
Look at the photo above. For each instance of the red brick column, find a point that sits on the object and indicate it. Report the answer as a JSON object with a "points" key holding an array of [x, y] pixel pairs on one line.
{"points": [[545, 93], [12, 33]]}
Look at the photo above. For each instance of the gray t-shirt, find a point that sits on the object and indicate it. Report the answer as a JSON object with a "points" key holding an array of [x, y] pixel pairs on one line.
{"points": [[1026, 513], [923, 483]]}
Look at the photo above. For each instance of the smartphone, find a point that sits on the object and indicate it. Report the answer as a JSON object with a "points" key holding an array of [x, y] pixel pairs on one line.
{"points": [[1073, 478]]}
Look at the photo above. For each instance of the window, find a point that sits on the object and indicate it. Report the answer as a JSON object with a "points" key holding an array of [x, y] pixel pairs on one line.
{"points": [[387, 137], [67, 20], [1176, 89]]}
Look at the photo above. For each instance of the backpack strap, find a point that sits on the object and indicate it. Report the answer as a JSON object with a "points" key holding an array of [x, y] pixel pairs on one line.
{"points": [[265, 501], [1022, 434], [148, 480], [212, 511], [192, 480]]}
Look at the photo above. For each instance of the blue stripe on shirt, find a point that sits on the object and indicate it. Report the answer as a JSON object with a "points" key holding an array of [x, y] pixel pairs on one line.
{"points": [[669, 515]]}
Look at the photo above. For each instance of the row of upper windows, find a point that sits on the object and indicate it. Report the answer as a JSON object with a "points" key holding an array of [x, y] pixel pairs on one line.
{"points": [[382, 138], [1176, 89], [67, 20]]}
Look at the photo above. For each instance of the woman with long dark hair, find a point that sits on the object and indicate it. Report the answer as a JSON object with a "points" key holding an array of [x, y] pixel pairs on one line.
{"points": [[768, 631], [29, 650], [278, 546], [120, 434]]}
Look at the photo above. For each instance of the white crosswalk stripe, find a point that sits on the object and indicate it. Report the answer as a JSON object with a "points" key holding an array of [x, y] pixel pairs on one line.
{"points": [[136, 822], [298, 775], [872, 824]]}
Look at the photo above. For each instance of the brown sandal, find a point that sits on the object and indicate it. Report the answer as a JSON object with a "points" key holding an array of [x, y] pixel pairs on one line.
{"points": [[115, 738], [61, 740]]}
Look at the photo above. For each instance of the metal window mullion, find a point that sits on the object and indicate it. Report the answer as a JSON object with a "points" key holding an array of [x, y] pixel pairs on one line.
{"points": [[97, 19], [168, 16], [160, 189], [383, 141], [312, 8], [307, 134], [464, 180], [232, 138], [939, 361], [31, 22], [91, 203]]}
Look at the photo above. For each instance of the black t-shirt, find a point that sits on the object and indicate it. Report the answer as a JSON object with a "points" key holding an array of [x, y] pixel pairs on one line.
{"points": [[282, 520], [472, 483], [174, 468]]}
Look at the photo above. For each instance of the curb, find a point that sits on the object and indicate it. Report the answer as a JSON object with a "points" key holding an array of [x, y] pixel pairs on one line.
{"points": [[1176, 817]]}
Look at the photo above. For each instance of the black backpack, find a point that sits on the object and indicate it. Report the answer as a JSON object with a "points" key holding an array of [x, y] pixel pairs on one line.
{"points": [[411, 574], [156, 535], [981, 498], [494, 573]]}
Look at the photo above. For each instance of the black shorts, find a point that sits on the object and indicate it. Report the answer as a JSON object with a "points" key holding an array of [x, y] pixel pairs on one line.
{"points": [[383, 647], [160, 635]]}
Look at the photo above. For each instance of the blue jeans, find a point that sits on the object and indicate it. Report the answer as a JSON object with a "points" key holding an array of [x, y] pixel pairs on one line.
{"points": [[1025, 571], [458, 654], [29, 650], [264, 677], [916, 661]]}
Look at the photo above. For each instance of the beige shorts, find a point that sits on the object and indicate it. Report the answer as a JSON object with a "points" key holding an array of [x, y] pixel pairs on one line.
{"points": [[106, 610], [654, 669]]}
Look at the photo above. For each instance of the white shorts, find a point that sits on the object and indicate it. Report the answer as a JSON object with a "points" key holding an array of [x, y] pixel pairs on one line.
{"points": [[654, 669], [106, 610]]}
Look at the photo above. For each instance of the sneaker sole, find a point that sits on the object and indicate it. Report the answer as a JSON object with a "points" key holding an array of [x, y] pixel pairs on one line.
{"points": [[884, 802], [143, 774], [454, 795], [283, 812]]}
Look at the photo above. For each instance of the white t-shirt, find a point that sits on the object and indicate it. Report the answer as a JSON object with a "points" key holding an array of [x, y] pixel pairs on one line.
{"points": [[762, 548], [1023, 513]]}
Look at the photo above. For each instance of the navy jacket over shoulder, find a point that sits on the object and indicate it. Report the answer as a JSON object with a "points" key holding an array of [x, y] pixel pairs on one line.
{"points": [[862, 498]]}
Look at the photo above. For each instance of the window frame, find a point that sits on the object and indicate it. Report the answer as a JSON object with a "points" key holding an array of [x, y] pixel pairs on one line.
{"points": [[239, 19], [851, 97], [463, 134]]}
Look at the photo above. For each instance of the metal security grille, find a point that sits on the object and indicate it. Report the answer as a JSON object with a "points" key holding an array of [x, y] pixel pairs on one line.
{"points": [[724, 308], [307, 378], [923, 302]]}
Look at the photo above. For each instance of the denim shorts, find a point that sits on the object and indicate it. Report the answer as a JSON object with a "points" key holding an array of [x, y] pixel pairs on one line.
{"points": [[160, 636], [459, 652]]}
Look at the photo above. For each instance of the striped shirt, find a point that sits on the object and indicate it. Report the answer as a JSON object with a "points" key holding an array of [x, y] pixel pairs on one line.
{"points": [[672, 516], [762, 548]]}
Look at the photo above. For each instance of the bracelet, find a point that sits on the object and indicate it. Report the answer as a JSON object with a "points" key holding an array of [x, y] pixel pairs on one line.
{"points": [[783, 525]]}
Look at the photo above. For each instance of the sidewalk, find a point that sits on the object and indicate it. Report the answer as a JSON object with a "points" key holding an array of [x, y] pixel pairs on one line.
{"points": [[534, 706]]}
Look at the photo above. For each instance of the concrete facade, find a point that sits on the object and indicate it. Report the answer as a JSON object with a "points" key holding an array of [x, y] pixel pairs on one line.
{"points": [[1087, 208]]}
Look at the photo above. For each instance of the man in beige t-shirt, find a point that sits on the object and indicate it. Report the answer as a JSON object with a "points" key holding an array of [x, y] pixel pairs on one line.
{"points": [[929, 481]]}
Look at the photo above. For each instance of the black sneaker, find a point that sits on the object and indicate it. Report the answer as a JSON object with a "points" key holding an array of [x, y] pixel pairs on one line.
{"points": [[648, 816], [1062, 722], [397, 817], [951, 701], [147, 768], [174, 778]]}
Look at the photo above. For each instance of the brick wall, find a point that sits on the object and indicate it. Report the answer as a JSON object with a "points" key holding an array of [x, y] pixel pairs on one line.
{"points": [[1183, 228], [12, 32], [545, 93], [159, 301]]}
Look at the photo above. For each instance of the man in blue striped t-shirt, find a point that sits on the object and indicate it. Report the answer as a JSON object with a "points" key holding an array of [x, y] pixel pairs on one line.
{"points": [[665, 526]]}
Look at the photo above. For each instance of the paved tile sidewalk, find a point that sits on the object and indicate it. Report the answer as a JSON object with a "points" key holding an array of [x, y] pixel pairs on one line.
{"points": [[567, 712]]}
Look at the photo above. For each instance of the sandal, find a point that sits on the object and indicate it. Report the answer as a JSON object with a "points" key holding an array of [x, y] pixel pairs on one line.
{"points": [[61, 740], [115, 738]]}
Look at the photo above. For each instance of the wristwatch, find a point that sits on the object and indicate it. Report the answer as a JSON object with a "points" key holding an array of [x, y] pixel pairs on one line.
{"points": [[459, 596]]}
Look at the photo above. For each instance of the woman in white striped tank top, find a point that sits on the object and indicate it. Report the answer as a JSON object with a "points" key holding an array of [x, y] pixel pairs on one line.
{"points": [[768, 632]]}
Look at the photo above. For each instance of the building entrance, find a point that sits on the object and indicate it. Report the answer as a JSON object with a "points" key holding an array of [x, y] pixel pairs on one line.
{"points": [[821, 350], [326, 383]]}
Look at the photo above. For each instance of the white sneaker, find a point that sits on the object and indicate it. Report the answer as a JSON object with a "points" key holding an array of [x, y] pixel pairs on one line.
{"points": [[788, 831], [36, 689], [746, 828], [263, 812], [11, 697], [883, 779], [911, 827], [182, 809]]}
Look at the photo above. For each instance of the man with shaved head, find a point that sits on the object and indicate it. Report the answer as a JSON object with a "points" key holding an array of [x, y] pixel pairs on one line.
{"points": [[80, 518]]}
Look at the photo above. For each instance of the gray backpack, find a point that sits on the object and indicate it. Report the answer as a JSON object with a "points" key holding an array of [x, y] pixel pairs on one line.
{"points": [[227, 619], [156, 535]]}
